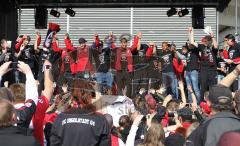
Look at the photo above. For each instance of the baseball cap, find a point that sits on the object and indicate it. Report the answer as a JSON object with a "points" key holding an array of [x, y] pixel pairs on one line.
{"points": [[81, 40], [230, 37], [219, 92]]}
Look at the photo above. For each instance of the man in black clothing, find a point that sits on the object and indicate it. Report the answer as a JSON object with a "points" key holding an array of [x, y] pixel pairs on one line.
{"points": [[9, 134], [223, 120], [80, 128], [169, 79], [190, 56], [26, 54], [102, 59], [80, 125], [123, 64], [233, 57], [208, 49], [142, 55]]}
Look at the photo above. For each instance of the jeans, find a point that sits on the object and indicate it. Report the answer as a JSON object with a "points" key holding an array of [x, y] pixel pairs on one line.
{"points": [[104, 78], [169, 80], [192, 80]]}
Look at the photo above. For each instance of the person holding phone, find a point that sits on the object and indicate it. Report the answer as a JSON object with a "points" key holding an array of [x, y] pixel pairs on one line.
{"points": [[24, 51], [6, 55]]}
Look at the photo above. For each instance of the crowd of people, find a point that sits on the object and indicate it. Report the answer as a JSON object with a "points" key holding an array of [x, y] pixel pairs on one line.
{"points": [[108, 95]]}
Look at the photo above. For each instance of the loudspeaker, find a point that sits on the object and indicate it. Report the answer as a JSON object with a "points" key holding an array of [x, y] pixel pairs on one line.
{"points": [[198, 17], [41, 17]]}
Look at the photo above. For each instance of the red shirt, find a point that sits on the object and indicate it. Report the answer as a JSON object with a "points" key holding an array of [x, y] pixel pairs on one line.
{"points": [[38, 118]]}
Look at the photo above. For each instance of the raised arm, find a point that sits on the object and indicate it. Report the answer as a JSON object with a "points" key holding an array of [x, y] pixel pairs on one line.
{"points": [[31, 87], [68, 42], [215, 44], [97, 101], [19, 43], [48, 80], [191, 36], [37, 42], [136, 42], [133, 131], [231, 77], [183, 96], [4, 69]]}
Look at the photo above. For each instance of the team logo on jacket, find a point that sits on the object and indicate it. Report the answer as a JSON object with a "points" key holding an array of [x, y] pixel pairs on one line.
{"points": [[28, 104], [231, 54]]}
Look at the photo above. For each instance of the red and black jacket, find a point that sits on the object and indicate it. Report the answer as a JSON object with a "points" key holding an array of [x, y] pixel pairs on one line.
{"points": [[65, 52]]}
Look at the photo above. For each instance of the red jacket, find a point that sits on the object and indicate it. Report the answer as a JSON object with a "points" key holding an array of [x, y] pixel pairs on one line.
{"points": [[65, 53], [149, 50], [18, 45], [178, 67], [83, 59], [118, 65], [226, 56]]}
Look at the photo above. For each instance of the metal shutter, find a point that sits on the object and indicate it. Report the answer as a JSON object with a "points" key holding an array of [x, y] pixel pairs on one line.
{"points": [[28, 24], [157, 27], [87, 21], [153, 22]]}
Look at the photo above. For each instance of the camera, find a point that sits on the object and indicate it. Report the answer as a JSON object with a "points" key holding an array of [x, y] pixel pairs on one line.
{"points": [[13, 65]]}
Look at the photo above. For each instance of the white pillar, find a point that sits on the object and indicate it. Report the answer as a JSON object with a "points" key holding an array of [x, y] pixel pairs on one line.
{"points": [[67, 23], [131, 24]]}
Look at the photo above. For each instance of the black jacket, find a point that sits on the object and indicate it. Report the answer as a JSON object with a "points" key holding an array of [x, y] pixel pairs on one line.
{"points": [[80, 128], [16, 136], [25, 113], [209, 132]]}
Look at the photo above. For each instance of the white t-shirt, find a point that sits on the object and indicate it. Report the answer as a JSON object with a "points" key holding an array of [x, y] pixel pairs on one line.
{"points": [[117, 106]]}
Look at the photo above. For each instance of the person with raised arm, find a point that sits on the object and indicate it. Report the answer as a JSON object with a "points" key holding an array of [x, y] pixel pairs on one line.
{"points": [[24, 113], [208, 67]]}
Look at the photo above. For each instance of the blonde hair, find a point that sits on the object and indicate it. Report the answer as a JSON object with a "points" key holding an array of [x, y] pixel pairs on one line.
{"points": [[18, 90], [155, 135]]}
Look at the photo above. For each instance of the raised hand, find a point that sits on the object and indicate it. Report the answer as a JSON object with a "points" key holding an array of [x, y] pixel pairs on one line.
{"points": [[5, 68]]}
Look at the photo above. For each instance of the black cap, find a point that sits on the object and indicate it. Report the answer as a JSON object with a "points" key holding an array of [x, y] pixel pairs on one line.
{"points": [[81, 40], [219, 92], [230, 37]]}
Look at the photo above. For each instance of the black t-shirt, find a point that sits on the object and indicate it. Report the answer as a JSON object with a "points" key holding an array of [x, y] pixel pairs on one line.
{"points": [[102, 60], [25, 113], [233, 53], [124, 62], [139, 57], [166, 58], [27, 55], [192, 60], [80, 127], [208, 56]]}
